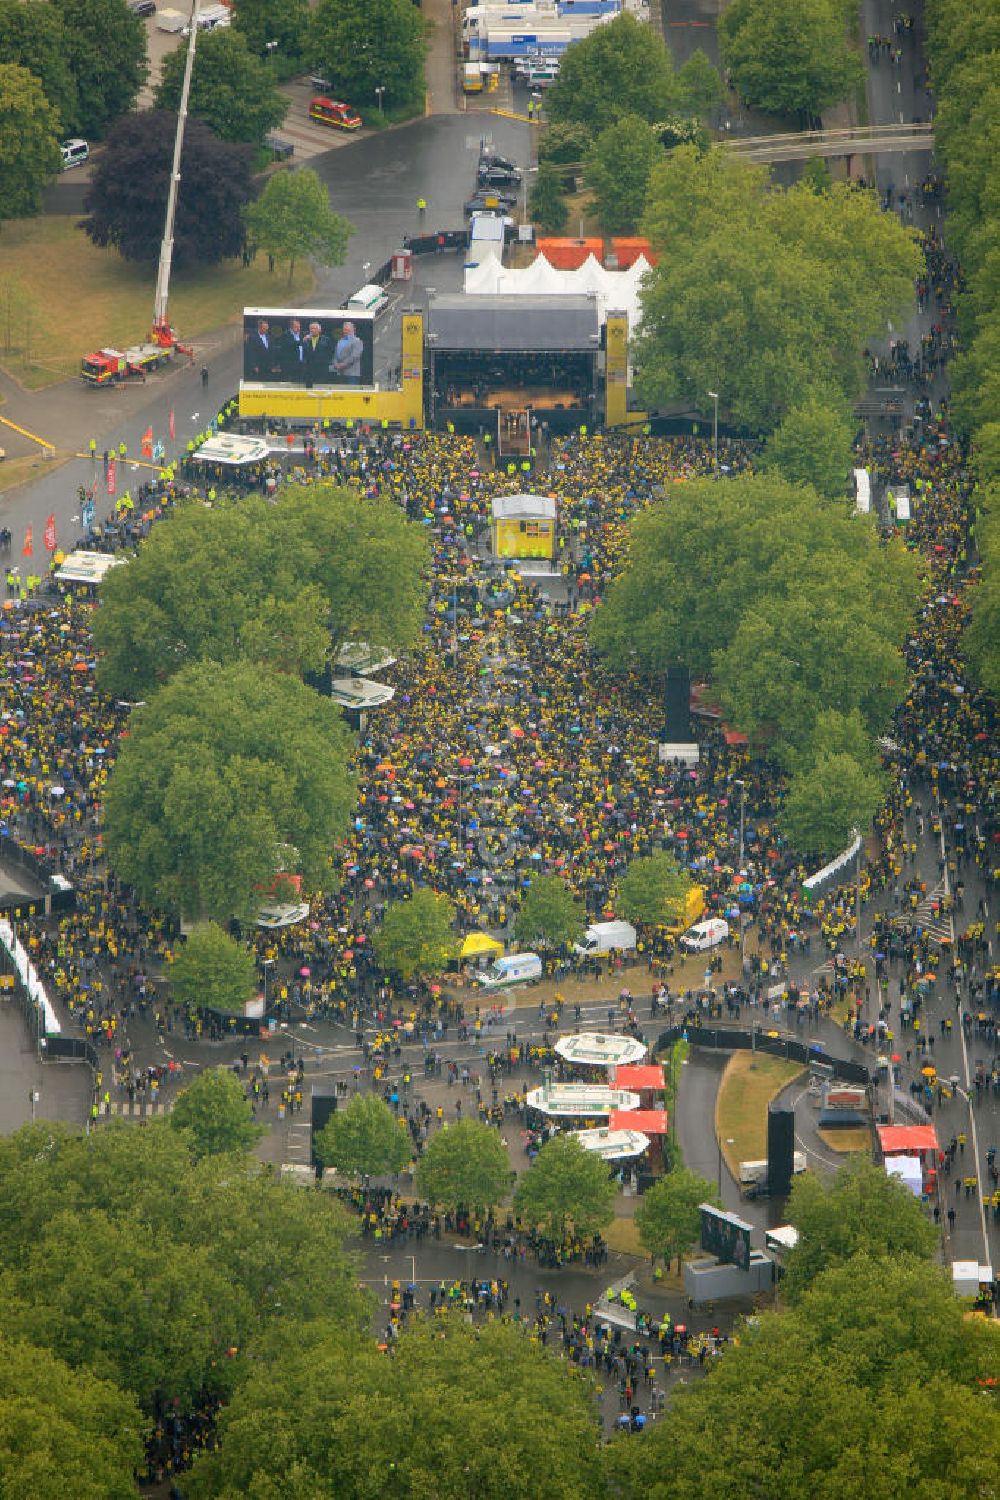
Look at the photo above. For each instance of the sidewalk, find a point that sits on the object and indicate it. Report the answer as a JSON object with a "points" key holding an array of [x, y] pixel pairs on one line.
{"points": [[442, 66]]}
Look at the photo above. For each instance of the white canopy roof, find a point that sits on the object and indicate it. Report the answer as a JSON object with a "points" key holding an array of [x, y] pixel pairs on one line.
{"points": [[614, 289]]}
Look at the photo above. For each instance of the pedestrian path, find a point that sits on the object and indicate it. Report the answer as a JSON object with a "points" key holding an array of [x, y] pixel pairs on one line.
{"points": [[931, 917], [136, 1109]]}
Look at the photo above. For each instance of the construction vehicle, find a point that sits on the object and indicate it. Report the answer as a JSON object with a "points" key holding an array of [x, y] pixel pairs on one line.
{"points": [[114, 366]]}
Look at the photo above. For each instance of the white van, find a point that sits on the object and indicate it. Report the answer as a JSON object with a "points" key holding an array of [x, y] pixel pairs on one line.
{"points": [[606, 937], [705, 935], [519, 968], [74, 154], [539, 75], [370, 299]]}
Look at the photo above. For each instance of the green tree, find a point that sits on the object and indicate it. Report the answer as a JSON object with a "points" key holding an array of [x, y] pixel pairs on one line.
{"points": [[231, 89], [286, 585], [547, 205], [617, 173], [861, 1211], [362, 45], [464, 1166], [63, 1432], [550, 914], [567, 1185], [365, 1139], [867, 1374], [105, 50], [228, 775], [214, 1110], [212, 971], [623, 68], [667, 1216], [416, 935], [261, 22], [760, 294], [29, 142], [293, 218], [565, 142], [174, 1310], [456, 1411], [981, 640], [653, 890], [32, 37], [127, 198], [817, 174], [790, 56], [814, 445], [700, 89], [828, 802]]}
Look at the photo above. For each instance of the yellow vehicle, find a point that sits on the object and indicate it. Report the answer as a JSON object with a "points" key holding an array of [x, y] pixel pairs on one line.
{"points": [[691, 912], [472, 79]]}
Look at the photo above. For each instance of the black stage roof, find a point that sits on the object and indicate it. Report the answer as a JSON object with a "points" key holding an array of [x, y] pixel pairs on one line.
{"points": [[511, 325]]}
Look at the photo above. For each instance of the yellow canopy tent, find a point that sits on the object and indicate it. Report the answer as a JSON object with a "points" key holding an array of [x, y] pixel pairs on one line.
{"points": [[479, 943]]}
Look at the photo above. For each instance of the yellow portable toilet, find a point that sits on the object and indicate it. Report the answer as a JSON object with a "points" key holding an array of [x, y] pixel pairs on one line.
{"points": [[524, 526]]}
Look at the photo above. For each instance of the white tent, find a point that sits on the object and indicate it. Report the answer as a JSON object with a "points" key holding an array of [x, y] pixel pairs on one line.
{"points": [[618, 290], [909, 1172]]}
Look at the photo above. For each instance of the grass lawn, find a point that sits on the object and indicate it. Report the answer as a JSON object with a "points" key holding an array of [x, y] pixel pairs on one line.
{"points": [[748, 1085], [84, 298], [850, 1138]]}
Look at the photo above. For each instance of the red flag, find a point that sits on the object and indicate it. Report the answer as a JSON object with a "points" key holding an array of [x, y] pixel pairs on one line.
{"points": [[29, 544], [109, 478], [147, 443], [50, 534], [171, 426]]}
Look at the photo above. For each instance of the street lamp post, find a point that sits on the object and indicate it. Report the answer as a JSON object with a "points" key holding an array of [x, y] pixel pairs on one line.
{"points": [[715, 431], [379, 92]]}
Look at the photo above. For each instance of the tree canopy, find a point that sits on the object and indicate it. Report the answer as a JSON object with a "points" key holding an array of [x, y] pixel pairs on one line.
{"points": [[229, 775], [464, 1166], [835, 1397], [814, 445], [547, 204], [549, 914], [365, 1139], [104, 45], [416, 935], [32, 37], [791, 57], [29, 142], [667, 1216], [286, 585], [455, 1411], [617, 172], [212, 971], [623, 68], [127, 197], [862, 1211], [764, 295], [828, 802], [567, 1185], [232, 90], [653, 890], [754, 583], [64, 1432], [203, 1255], [263, 22], [292, 218], [362, 45], [214, 1109]]}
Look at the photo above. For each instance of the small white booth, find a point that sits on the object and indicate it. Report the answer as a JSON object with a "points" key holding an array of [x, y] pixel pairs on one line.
{"points": [[596, 1049], [575, 1101], [613, 1145]]}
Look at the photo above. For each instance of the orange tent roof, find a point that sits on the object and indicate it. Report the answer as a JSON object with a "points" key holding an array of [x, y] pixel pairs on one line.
{"points": [[649, 1121], [639, 1076]]}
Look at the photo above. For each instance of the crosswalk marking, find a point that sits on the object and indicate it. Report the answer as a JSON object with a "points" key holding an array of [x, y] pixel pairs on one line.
{"points": [[135, 1109]]}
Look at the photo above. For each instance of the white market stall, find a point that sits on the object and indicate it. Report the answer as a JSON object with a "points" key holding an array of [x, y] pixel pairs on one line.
{"points": [[574, 1101], [597, 1049], [618, 290], [613, 1145]]}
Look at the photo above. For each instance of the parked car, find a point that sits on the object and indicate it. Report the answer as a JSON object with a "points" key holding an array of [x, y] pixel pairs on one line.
{"points": [[705, 935], [488, 200], [142, 7], [334, 112], [495, 176]]}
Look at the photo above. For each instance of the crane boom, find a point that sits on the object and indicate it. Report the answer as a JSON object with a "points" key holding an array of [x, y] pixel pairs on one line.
{"points": [[161, 326]]}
